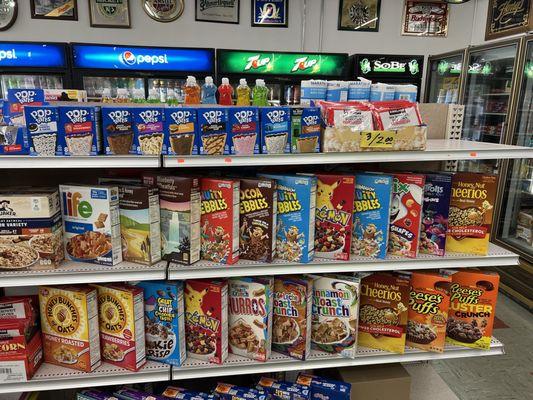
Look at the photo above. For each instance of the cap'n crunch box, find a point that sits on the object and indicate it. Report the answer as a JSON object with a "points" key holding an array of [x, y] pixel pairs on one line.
{"points": [[19, 358], [181, 131]]}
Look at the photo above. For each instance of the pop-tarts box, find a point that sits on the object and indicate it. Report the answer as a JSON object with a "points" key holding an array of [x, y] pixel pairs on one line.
{"points": [[214, 132], [325, 389], [17, 99], [181, 131], [42, 125], [275, 130], [117, 130], [296, 216], [283, 390], [306, 126], [79, 131], [148, 130], [244, 130], [372, 201]]}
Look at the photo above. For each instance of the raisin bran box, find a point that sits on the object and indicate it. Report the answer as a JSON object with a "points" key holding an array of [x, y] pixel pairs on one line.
{"points": [[117, 130], [306, 127], [429, 302], [275, 130], [148, 130], [473, 297], [244, 130], [181, 131], [214, 131], [371, 215], [406, 214], [220, 220], [206, 319], [334, 210], [295, 237], [79, 131], [41, 124], [437, 192], [258, 216], [250, 317]]}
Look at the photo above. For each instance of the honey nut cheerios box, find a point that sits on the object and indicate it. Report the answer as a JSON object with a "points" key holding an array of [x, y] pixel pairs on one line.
{"points": [[69, 324]]}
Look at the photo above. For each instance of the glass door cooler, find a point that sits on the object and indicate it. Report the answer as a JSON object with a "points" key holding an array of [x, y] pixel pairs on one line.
{"points": [[444, 77]]}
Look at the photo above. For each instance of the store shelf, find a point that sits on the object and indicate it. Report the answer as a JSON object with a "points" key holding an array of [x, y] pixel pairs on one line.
{"points": [[495, 113], [497, 256], [75, 272], [497, 94], [131, 161]]}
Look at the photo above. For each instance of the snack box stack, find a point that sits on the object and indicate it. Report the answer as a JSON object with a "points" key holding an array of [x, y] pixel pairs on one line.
{"points": [[79, 132], [283, 389], [306, 129], [233, 392], [244, 130], [174, 392], [42, 124]]}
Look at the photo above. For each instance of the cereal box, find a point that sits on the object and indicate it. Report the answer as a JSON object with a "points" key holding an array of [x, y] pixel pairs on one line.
{"points": [[472, 308], [335, 314], [437, 191], [181, 131], [117, 129], [291, 330], [127, 393], [258, 213], [232, 392], [69, 324], [214, 132], [94, 394], [17, 99], [306, 126], [206, 319], [79, 131], [179, 393], [20, 358], [244, 130], [220, 220], [275, 130], [471, 211], [250, 317], [325, 389], [283, 390], [42, 123], [406, 214], [148, 130], [91, 223], [429, 302], [164, 319], [19, 308], [140, 224], [383, 312], [334, 209], [121, 315], [371, 215]]}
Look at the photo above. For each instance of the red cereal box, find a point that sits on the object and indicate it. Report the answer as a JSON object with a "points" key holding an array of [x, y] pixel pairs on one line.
{"points": [[220, 220], [19, 359], [406, 212], [206, 319], [334, 210]]}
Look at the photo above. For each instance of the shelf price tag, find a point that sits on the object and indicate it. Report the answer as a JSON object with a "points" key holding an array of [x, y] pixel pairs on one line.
{"points": [[381, 139]]}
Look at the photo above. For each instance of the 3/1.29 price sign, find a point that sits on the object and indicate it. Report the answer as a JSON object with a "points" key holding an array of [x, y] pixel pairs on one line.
{"points": [[381, 139]]}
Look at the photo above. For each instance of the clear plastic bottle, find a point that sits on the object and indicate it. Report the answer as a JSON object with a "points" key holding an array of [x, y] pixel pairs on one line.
{"points": [[138, 95], [122, 96], [153, 96], [243, 93], [225, 93], [171, 97], [209, 91], [192, 91], [106, 96], [260, 93]]}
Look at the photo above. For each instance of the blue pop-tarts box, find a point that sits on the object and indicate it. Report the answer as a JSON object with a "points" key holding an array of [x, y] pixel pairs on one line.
{"points": [[244, 130], [282, 390], [165, 322], [275, 130], [148, 130], [371, 215], [325, 389], [79, 131], [306, 127], [117, 130], [214, 131], [93, 394], [18, 98], [42, 126], [126, 393], [296, 216], [181, 131]]}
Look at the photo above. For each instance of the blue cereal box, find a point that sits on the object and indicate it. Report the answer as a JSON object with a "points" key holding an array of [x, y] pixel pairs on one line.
{"points": [[165, 322], [275, 130], [306, 125], [325, 389], [41, 124], [117, 130], [79, 131], [148, 130], [371, 215], [435, 209], [244, 130], [295, 233], [214, 132], [17, 99], [282, 390], [181, 131]]}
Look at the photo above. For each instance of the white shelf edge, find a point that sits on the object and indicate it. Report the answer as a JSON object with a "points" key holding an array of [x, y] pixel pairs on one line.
{"points": [[101, 161]]}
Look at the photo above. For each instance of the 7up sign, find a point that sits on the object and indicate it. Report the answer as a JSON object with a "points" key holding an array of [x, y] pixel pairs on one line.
{"points": [[303, 63], [256, 61]]}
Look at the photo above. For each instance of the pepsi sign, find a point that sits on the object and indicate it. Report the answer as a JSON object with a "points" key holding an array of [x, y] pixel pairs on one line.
{"points": [[32, 55]]}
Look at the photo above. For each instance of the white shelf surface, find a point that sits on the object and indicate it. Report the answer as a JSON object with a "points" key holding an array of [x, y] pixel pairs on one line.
{"points": [[130, 161], [497, 256]]}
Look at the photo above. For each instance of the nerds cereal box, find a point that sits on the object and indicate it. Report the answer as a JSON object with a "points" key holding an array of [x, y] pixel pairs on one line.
{"points": [[148, 130], [244, 130], [214, 132], [117, 129], [181, 131], [78, 131], [306, 125], [275, 130]]}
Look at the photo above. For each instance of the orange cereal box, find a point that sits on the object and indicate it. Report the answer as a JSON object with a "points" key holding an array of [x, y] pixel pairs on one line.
{"points": [[69, 323], [429, 301]]}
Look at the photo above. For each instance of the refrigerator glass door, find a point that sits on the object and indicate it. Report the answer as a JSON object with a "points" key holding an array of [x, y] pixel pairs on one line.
{"points": [[94, 85], [292, 94], [28, 81], [274, 94], [445, 79]]}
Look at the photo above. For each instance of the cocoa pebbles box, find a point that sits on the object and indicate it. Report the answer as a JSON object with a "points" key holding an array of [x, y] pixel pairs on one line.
{"points": [[214, 132], [148, 130], [117, 130], [258, 216], [244, 130], [181, 131], [306, 126], [250, 317], [79, 131], [275, 130]]}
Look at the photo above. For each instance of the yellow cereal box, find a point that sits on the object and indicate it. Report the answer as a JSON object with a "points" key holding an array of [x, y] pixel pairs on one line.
{"points": [[69, 323]]}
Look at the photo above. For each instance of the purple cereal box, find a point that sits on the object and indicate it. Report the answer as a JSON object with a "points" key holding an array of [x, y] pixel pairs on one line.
{"points": [[244, 130], [148, 130]]}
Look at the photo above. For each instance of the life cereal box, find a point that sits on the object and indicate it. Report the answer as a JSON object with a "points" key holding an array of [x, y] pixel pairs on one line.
{"points": [[429, 302], [164, 319], [334, 209], [220, 220], [335, 314], [148, 130], [471, 211], [291, 329], [472, 308], [181, 131], [437, 191], [206, 319], [69, 324], [406, 214], [250, 317], [371, 215], [295, 233]]}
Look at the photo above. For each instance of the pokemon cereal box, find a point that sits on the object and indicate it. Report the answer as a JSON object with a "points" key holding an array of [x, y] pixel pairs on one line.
{"points": [[220, 220], [244, 130], [148, 130], [406, 214], [334, 209], [206, 319], [335, 314], [291, 330], [69, 324], [250, 317], [295, 238], [371, 215], [181, 131], [213, 127], [121, 315], [429, 302]]}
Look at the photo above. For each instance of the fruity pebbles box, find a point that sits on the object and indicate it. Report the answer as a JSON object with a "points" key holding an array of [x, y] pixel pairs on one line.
{"points": [[275, 130], [181, 131], [148, 130], [371, 215], [213, 127], [250, 317], [244, 130], [42, 123], [306, 125], [117, 129], [79, 131]]}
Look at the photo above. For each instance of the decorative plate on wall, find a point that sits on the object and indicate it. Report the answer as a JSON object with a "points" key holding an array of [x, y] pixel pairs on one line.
{"points": [[164, 10], [8, 13]]}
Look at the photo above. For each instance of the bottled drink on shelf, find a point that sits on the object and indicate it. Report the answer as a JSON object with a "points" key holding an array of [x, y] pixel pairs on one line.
{"points": [[243, 93], [163, 92], [260, 93], [171, 97], [153, 96], [209, 91], [225, 93], [123, 96], [192, 91], [106, 96], [138, 96]]}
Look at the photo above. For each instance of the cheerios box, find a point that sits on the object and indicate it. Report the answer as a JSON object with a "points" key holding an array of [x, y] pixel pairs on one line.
{"points": [[79, 131], [275, 130], [42, 126], [244, 130], [117, 130], [181, 131], [148, 130], [214, 132]]}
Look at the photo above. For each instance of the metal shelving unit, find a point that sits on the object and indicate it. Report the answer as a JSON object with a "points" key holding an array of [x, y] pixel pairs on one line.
{"points": [[27, 162]]}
